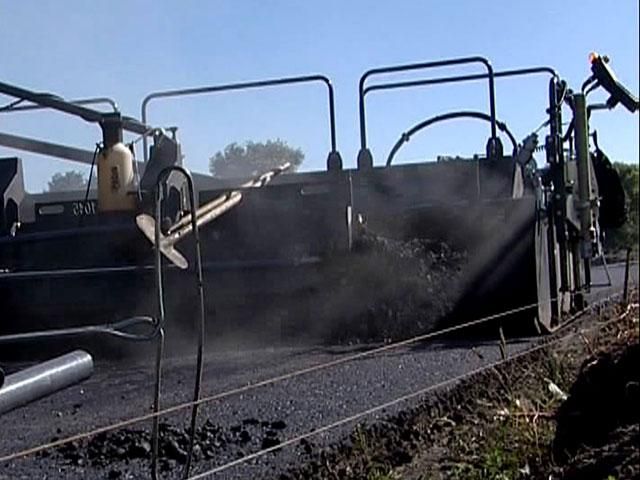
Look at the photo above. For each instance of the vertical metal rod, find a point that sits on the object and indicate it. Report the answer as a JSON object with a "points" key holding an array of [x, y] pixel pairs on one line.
{"points": [[162, 177], [606, 269], [201, 329], [155, 429], [555, 157], [627, 267], [577, 276], [502, 343], [586, 266], [332, 117]]}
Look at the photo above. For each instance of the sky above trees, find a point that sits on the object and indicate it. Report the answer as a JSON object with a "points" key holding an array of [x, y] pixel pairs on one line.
{"points": [[126, 49]]}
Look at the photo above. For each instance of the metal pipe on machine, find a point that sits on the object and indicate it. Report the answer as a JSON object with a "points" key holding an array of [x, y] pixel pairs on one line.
{"points": [[43, 379], [584, 183]]}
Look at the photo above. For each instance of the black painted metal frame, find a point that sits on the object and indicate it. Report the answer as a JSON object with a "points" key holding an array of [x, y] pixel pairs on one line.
{"points": [[112, 124], [365, 157], [334, 161], [81, 101], [404, 138]]}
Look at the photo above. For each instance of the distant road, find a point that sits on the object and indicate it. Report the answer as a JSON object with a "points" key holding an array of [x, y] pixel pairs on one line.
{"points": [[599, 280]]}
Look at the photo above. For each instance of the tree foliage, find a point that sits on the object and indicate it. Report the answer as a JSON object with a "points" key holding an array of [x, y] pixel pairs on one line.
{"points": [[253, 158], [627, 235], [67, 181]]}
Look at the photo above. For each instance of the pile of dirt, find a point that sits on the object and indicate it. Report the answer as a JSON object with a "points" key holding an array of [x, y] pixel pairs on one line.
{"points": [[617, 457], [391, 289], [382, 289], [597, 431], [211, 441]]}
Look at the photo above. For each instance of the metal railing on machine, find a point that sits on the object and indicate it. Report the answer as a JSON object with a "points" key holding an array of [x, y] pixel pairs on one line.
{"points": [[461, 114], [47, 148], [334, 160], [365, 157], [17, 106]]}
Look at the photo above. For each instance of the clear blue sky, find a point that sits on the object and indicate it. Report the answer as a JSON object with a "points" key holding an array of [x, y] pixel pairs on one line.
{"points": [[126, 49]]}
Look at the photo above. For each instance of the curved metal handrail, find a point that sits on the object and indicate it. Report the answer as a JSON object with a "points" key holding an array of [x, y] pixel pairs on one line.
{"points": [[364, 156], [460, 78], [244, 86], [406, 136], [364, 90]]}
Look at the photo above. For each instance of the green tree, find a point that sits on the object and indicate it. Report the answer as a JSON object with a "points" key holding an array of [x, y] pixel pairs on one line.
{"points": [[67, 181], [253, 158], [627, 235]]}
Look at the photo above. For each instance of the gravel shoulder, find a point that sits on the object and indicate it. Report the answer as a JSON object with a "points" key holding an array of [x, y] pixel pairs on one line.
{"points": [[502, 422]]}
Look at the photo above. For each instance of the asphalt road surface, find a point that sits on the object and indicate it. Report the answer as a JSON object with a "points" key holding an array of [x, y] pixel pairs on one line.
{"points": [[122, 390]]}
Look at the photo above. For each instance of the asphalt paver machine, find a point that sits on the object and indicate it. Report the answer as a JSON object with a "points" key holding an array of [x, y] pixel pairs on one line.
{"points": [[530, 232]]}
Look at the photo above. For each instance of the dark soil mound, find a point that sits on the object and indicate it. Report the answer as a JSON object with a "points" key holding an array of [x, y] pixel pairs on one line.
{"points": [[599, 420], [617, 458], [211, 441], [392, 289]]}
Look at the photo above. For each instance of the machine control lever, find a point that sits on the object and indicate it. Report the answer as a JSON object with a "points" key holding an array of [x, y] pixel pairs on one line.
{"points": [[607, 79]]}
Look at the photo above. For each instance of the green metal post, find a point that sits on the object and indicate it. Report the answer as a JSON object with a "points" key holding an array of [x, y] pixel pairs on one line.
{"points": [[584, 180]]}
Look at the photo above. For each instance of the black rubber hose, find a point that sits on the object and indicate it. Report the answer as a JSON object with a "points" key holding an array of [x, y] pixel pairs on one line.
{"points": [[406, 136]]}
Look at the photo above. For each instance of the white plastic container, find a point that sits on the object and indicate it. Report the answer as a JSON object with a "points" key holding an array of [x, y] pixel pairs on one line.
{"points": [[115, 179]]}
